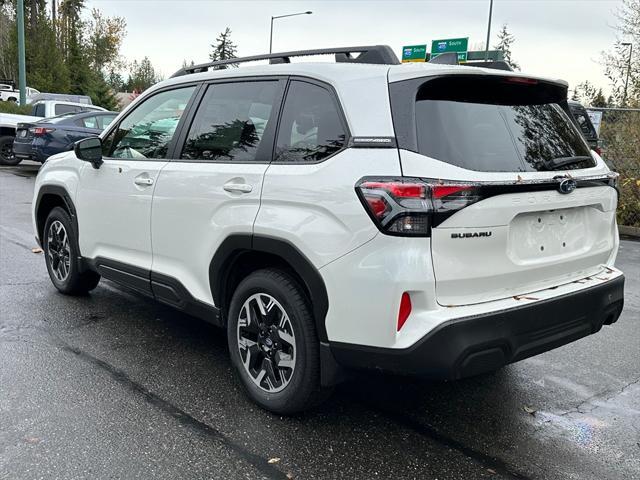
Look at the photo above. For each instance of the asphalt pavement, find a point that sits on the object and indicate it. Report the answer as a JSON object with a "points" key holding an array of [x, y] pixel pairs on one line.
{"points": [[115, 386]]}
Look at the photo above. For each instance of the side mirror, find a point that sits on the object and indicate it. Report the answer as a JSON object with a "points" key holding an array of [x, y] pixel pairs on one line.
{"points": [[89, 150]]}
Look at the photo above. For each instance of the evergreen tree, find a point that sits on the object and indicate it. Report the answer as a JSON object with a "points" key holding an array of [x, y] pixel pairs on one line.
{"points": [[505, 41], [101, 93], [224, 48], [141, 76], [64, 54], [115, 81], [590, 96], [598, 100]]}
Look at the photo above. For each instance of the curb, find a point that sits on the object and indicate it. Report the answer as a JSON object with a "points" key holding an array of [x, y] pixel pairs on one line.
{"points": [[633, 232]]}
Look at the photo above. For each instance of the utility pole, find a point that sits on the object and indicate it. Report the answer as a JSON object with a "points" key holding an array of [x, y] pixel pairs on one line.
{"points": [[626, 82], [22, 81], [486, 50]]}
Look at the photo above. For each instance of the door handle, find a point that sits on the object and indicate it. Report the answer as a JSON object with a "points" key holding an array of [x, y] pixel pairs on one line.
{"points": [[143, 181], [238, 187]]}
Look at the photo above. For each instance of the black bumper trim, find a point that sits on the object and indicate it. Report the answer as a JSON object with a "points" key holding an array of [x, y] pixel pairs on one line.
{"points": [[472, 345]]}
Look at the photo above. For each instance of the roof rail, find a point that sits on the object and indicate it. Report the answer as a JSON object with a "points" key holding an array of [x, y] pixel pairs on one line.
{"points": [[378, 54]]}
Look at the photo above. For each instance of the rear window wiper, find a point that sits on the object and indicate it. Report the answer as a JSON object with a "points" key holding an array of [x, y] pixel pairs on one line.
{"points": [[556, 163]]}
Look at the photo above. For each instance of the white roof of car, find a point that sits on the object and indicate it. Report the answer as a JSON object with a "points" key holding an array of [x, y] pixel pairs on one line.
{"points": [[85, 106], [336, 73]]}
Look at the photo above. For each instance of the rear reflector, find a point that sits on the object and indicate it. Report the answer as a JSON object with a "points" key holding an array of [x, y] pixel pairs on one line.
{"points": [[405, 310]]}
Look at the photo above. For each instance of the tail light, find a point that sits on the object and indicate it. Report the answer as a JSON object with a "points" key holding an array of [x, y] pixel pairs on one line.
{"points": [[40, 131], [411, 206]]}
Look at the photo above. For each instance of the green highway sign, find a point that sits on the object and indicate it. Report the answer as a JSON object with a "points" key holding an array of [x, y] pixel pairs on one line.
{"points": [[414, 53], [457, 45]]}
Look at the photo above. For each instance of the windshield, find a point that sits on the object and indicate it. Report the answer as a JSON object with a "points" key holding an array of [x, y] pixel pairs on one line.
{"points": [[498, 138]]}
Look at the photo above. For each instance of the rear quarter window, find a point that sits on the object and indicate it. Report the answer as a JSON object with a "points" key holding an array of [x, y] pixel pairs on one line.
{"points": [[311, 127]]}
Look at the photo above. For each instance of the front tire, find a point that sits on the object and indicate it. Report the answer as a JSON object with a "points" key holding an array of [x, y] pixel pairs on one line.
{"points": [[273, 342], [7, 157], [61, 252]]}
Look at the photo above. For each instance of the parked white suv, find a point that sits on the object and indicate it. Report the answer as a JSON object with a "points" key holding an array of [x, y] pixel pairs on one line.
{"points": [[433, 220]]}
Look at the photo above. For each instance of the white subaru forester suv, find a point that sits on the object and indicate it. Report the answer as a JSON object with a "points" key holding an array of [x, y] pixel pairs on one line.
{"points": [[422, 219]]}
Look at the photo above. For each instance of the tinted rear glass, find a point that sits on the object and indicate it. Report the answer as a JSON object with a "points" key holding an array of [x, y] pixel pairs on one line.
{"points": [[489, 123], [497, 138], [63, 108]]}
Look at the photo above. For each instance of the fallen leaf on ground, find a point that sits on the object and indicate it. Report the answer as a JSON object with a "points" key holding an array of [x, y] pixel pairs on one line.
{"points": [[529, 410], [289, 475], [274, 460], [36, 250]]}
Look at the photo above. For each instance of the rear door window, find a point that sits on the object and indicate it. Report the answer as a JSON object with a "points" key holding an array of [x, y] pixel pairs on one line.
{"points": [[90, 122], [311, 128]]}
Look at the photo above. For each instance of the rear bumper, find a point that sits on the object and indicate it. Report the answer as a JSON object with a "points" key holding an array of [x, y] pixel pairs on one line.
{"points": [[22, 150], [472, 345]]}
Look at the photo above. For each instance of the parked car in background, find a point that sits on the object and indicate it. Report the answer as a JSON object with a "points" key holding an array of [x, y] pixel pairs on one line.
{"points": [[581, 116], [40, 109], [62, 97], [39, 140]]}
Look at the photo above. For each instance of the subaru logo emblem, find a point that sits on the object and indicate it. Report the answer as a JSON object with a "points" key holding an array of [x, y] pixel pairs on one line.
{"points": [[567, 185]]}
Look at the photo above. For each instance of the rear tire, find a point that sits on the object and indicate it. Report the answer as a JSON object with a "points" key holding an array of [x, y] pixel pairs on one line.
{"points": [[61, 252], [7, 157], [273, 342]]}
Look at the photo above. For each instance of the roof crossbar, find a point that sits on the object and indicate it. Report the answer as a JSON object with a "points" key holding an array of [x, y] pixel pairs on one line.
{"points": [[377, 54]]}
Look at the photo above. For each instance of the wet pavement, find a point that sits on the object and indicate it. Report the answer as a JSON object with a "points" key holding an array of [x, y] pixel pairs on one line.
{"points": [[113, 385]]}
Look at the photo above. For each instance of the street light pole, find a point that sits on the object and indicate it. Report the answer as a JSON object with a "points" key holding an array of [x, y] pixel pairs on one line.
{"points": [[22, 80], [282, 16], [626, 82], [486, 50]]}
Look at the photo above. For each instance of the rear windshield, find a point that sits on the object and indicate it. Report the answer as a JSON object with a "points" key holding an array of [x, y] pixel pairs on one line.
{"points": [[492, 124]]}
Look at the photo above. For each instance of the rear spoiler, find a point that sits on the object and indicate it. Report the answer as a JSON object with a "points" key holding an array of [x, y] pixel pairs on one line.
{"points": [[451, 58]]}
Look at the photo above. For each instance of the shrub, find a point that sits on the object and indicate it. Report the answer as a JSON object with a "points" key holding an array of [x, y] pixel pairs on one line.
{"points": [[13, 107], [621, 137]]}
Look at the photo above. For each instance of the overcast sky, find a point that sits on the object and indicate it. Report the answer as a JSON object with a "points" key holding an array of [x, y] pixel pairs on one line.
{"points": [[558, 38]]}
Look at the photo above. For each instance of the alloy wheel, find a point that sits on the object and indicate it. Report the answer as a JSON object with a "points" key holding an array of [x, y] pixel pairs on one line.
{"points": [[6, 152], [266, 342], [58, 250]]}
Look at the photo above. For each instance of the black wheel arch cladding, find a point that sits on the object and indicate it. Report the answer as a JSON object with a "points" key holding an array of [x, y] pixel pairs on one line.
{"points": [[234, 246], [49, 197]]}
